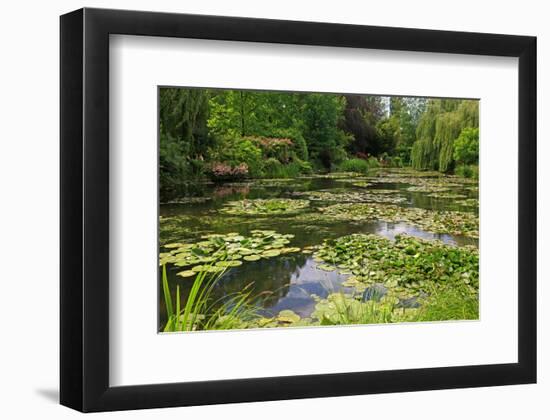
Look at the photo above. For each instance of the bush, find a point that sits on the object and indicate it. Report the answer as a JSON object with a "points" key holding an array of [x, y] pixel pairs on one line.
{"points": [[234, 150], [466, 146], [221, 171], [467, 171], [272, 167], [373, 162], [275, 169], [395, 162], [354, 165]]}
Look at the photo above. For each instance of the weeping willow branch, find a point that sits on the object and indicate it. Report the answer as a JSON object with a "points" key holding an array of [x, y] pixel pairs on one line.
{"points": [[437, 131]]}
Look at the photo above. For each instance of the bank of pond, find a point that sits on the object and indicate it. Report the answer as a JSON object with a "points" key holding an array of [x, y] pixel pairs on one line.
{"points": [[333, 249]]}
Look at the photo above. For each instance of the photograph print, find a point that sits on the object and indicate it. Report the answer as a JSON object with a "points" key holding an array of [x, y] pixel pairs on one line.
{"points": [[299, 209]]}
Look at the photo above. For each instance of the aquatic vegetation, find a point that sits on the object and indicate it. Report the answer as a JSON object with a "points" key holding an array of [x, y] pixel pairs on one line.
{"points": [[427, 189], [457, 223], [447, 195], [469, 202], [361, 184], [335, 175], [405, 265], [201, 311], [217, 252], [342, 309], [265, 207], [352, 196], [384, 191]]}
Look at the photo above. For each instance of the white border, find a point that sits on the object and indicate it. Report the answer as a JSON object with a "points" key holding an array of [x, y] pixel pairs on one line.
{"points": [[138, 355]]}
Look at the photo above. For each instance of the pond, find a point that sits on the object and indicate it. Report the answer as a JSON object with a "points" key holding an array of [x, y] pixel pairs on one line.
{"points": [[334, 205]]}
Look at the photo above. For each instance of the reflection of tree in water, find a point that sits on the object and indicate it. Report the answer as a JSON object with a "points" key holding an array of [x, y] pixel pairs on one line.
{"points": [[272, 276], [222, 190]]}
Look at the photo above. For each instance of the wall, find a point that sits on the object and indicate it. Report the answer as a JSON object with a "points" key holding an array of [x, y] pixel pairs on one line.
{"points": [[29, 222]]}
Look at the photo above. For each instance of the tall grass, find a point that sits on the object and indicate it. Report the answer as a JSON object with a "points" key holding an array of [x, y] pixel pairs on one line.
{"points": [[355, 165], [450, 303], [202, 312]]}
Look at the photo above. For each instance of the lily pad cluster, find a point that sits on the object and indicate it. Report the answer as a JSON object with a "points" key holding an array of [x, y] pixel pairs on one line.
{"points": [[403, 265], [469, 202], [216, 252], [447, 196], [428, 189], [452, 222], [265, 207], [348, 196]]}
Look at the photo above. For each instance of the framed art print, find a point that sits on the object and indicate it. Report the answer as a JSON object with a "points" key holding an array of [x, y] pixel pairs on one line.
{"points": [[258, 209]]}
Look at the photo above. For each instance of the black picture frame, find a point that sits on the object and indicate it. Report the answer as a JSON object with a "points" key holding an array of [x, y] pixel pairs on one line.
{"points": [[84, 127]]}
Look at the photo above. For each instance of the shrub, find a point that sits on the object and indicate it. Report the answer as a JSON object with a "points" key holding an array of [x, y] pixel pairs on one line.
{"points": [[273, 147], [220, 171], [233, 150], [373, 162], [354, 165], [275, 169], [467, 171], [466, 146], [272, 168]]}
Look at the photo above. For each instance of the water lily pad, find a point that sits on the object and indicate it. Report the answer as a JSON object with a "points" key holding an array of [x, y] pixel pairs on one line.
{"points": [[289, 250], [187, 273], [326, 267], [265, 207], [271, 253], [251, 257], [234, 263], [288, 316]]}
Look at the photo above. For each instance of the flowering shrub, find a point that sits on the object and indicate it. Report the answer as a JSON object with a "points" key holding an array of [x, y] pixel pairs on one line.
{"points": [[273, 147], [224, 171]]}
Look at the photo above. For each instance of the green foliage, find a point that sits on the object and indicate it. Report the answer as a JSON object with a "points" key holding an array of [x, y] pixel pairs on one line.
{"points": [[389, 134], [183, 135], [273, 168], [466, 146], [354, 165], [373, 162], [437, 131], [321, 115], [454, 302], [235, 150], [361, 113], [341, 309], [202, 312], [404, 264], [467, 171], [265, 207]]}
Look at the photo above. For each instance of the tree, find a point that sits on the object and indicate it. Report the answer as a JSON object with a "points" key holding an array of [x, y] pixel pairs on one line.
{"points": [[466, 147], [437, 131], [361, 114], [183, 133], [321, 117]]}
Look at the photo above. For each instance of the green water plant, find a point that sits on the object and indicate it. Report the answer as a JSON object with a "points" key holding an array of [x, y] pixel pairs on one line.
{"points": [[265, 207], [217, 252], [347, 196], [469, 202], [406, 264], [202, 311], [450, 222], [447, 196]]}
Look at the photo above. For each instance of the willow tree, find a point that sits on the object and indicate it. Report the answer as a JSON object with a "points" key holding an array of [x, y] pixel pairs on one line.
{"points": [[183, 134], [438, 128]]}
